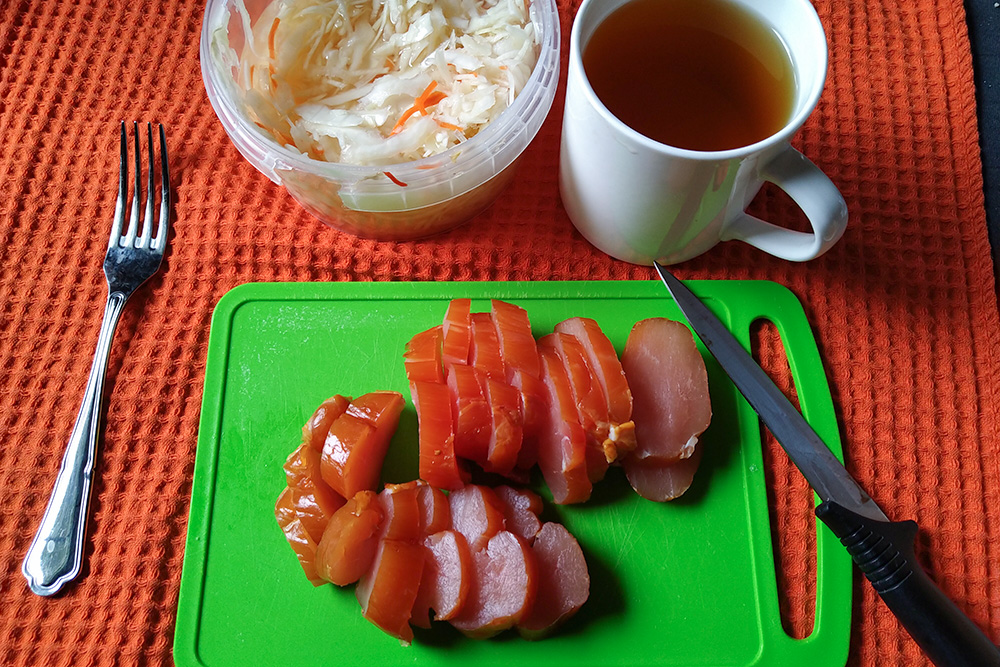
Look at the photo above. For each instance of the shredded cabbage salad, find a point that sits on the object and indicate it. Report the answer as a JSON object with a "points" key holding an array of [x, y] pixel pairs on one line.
{"points": [[377, 82]]}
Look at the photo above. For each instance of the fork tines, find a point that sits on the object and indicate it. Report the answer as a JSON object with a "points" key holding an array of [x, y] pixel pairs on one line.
{"points": [[136, 234]]}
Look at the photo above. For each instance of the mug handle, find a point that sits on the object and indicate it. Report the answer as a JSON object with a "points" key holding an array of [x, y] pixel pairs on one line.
{"points": [[814, 193]]}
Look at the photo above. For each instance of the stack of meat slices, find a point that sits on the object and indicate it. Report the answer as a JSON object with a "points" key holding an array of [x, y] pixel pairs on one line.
{"points": [[487, 394], [479, 558], [343, 446], [671, 407]]}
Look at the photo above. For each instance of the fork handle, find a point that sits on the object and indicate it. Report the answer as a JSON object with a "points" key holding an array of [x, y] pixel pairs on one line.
{"points": [[55, 556]]}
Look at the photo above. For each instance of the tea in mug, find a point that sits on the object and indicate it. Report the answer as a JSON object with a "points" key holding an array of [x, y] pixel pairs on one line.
{"points": [[703, 75]]}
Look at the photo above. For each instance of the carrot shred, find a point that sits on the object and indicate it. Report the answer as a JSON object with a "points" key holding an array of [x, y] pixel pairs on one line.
{"points": [[428, 98], [270, 38], [394, 179], [447, 126]]}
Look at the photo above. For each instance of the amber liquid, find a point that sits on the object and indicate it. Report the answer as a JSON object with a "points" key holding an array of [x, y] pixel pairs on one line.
{"points": [[703, 75]]}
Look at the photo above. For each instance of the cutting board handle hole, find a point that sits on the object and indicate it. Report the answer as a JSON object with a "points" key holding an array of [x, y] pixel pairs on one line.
{"points": [[790, 500]]}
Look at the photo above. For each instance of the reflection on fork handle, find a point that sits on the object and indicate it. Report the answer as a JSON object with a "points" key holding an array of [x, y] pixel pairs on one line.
{"points": [[56, 553]]}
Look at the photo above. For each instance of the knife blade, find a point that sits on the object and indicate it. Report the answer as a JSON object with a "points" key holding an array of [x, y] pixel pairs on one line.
{"points": [[882, 549]]}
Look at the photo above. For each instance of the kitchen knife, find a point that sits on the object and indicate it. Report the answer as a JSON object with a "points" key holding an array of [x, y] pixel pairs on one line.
{"points": [[881, 548]]}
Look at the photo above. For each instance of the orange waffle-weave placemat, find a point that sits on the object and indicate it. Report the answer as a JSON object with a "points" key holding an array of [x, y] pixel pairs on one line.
{"points": [[904, 307]]}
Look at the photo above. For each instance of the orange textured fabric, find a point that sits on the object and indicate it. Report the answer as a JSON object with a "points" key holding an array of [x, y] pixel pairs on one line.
{"points": [[904, 307]]}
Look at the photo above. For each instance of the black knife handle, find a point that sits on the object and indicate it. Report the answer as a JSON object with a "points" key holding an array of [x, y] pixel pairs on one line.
{"points": [[884, 553]]}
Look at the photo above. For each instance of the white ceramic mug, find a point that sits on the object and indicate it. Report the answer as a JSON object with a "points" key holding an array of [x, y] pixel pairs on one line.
{"points": [[639, 200]]}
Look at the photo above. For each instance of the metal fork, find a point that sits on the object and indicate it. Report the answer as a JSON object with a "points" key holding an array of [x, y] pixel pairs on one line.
{"points": [[134, 255]]}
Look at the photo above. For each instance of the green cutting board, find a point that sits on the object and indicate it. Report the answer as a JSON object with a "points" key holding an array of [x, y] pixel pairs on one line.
{"points": [[690, 582]]}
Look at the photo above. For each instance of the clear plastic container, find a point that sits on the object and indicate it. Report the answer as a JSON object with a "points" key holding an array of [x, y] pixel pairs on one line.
{"points": [[421, 197]]}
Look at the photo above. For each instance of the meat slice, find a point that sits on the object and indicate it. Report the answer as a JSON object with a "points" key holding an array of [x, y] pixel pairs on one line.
{"points": [[338, 459], [517, 344], [422, 357], [606, 364], [381, 409], [298, 537], [485, 352], [435, 512], [473, 415], [522, 367], [671, 403], [456, 332], [503, 588], [447, 578], [662, 481], [563, 581], [312, 498], [506, 430], [388, 591], [347, 547], [476, 513], [438, 464], [318, 425], [534, 406], [358, 441], [562, 444], [591, 404], [521, 509], [403, 513]]}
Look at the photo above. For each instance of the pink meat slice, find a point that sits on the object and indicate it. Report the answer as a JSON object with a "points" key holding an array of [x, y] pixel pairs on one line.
{"points": [[562, 444], [435, 512], [446, 581], [591, 403], [662, 481], [606, 364], [669, 383], [563, 581], [503, 587], [476, 513], [521, 508]]}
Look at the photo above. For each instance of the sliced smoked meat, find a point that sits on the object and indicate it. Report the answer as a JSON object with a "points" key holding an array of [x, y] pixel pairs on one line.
{"points": [[608, 367], [506, 431], [562, 444], [422, 356], [388, 591], [662, 481], [298, 537], [473, 414], [591, 404], [403, 513], [318, 425], [438, 464], [312, 498], [671, 403], [358, 441], [477, 513], [456, 338], [347, 547], [447, 578], [503, 588], [563, 581], [485, 352], [521, 509], [435, 512]]}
